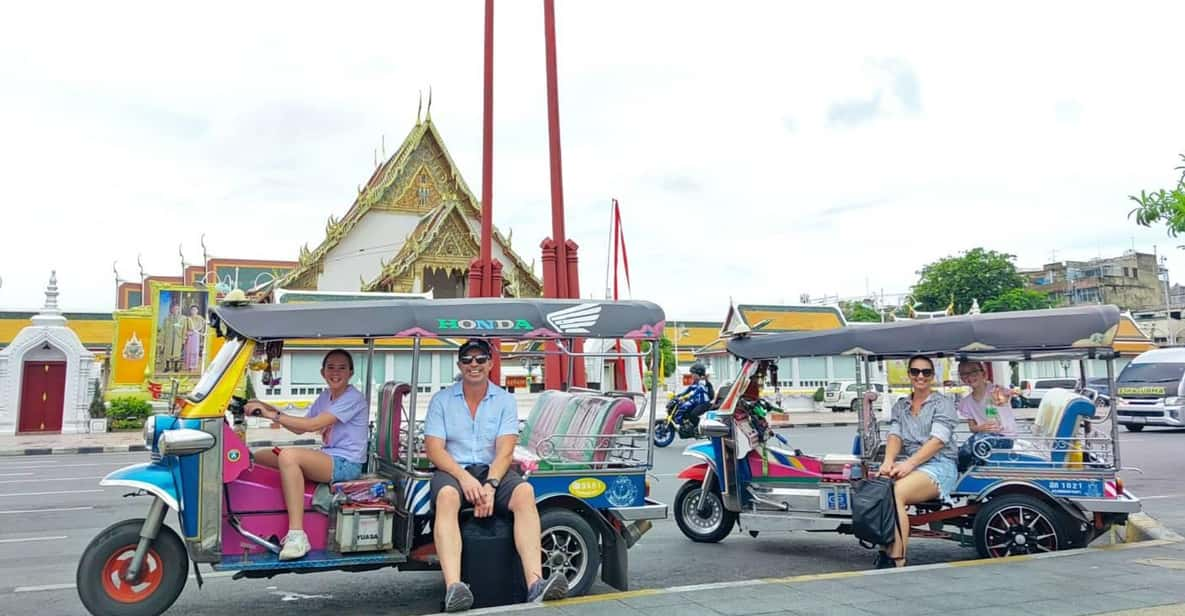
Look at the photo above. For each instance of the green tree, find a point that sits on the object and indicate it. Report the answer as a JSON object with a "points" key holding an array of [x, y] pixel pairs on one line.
{"points": [[1162, 206], [667, 348], [976, 274], [1018, 299], [859, 312]]}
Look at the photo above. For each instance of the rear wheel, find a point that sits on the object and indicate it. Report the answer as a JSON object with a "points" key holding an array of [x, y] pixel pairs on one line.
{"points": [[1133, 427], [1019, 524], [715, 524], [570, 547], [104, 563]]}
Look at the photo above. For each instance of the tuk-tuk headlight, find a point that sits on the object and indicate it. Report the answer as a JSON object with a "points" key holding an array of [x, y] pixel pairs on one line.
{"points": [[149, 431]]}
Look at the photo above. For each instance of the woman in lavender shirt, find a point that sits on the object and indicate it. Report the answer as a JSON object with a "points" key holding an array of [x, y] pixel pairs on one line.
{"points": [[341, 415]]}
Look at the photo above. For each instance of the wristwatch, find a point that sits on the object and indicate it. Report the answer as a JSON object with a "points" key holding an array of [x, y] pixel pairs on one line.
{"points": [[494, 482]]}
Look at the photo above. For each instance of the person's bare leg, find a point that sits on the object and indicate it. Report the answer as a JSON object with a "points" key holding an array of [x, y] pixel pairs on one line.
{"points": [[917, 487], [446, 531], [266, 457], [295, 465], [527, 531]]}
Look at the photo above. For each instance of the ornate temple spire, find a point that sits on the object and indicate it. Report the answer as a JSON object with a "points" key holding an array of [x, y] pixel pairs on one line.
{"points": [[51, 294], [51, 314]]}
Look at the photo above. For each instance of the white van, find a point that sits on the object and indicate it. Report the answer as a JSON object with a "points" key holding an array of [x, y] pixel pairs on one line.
{"points": [[1150, 391]]}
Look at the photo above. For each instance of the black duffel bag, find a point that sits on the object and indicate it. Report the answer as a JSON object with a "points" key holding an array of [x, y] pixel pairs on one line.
{"points": [[874, 512]]}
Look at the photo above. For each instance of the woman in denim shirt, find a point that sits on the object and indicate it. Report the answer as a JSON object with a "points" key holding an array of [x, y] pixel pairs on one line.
{"points": [[922, 428]]}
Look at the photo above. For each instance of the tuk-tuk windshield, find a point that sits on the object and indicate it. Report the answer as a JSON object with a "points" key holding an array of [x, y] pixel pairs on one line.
{"points": [[214, 371]]}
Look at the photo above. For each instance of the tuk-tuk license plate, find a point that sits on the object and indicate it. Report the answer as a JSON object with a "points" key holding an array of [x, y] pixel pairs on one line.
{"points": [[835, 498]]}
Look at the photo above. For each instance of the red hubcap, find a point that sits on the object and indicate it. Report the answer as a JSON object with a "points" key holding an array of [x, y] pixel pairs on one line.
{"points": [[116, 568]]}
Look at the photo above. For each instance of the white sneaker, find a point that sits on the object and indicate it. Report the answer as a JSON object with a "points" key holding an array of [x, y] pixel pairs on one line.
{"points": [[296, 545]]}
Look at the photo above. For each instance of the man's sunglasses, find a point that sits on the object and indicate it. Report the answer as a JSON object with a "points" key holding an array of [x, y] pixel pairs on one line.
{"points": [[480, 359], [921, 372]]}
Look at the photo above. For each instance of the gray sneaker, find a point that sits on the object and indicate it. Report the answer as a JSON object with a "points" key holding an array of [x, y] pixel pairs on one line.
{"points": [[458, 598], [553, 588]]}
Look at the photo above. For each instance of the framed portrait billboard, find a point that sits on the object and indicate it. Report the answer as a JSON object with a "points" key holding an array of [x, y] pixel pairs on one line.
{"points": [[181, 336]]}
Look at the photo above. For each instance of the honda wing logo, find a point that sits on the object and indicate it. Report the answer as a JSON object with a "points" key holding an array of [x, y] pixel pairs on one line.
{"points": [[575, 320]]}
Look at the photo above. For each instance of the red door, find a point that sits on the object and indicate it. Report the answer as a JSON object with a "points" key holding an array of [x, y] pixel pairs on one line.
{"points": [[43, 391]]}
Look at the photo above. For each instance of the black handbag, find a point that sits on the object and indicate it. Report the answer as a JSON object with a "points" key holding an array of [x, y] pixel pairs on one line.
{"points": [[874, 512]]}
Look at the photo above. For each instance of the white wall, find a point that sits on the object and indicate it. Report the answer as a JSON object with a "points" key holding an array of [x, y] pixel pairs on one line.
{"points": [[379, 235]]}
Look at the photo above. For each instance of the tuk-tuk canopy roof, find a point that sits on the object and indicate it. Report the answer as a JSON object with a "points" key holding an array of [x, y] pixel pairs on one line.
{"points": [[446, 318], [1066, 332]]}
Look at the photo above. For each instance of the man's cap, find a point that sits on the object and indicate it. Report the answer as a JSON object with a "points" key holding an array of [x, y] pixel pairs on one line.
{"points": [[472, 344]]}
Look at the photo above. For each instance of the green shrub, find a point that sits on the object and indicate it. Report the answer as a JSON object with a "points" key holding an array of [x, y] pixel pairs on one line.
{"points": [[127, 408], [126, 424], [818, 395]]}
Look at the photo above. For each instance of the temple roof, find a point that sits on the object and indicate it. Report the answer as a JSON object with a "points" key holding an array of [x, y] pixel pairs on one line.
{"points": [[392, 187]]}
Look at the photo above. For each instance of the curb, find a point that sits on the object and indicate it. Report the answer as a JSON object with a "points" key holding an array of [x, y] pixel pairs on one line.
{"points": [[1142, 523], [1143, 527], [55, 451]]}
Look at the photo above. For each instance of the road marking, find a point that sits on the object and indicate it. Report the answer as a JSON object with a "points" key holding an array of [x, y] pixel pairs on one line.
{"points": [[44, 587], [1162, 496], [46, 510], [50, 493], [51, 479], [71, 586], [52, 466], [23, 539], [15, 474]]}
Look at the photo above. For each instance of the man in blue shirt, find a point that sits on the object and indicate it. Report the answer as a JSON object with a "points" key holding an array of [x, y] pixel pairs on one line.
{"points": [[469, 434]]}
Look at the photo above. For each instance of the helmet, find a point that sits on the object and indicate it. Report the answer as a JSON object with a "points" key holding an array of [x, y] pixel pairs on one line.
{"points": [[698, 369]]}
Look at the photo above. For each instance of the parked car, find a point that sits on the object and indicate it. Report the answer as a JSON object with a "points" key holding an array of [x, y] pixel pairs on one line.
{"points": [[1032, 391], [847, 395]]}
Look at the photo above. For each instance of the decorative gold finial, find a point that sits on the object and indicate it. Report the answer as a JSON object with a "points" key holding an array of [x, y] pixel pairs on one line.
{"points": [[419, 107], [428, 111]]}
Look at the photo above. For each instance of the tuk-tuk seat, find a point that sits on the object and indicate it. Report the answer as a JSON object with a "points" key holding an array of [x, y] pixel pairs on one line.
{"points": [[1054, 430], [390, 421], [567, 422], [545, 416]]}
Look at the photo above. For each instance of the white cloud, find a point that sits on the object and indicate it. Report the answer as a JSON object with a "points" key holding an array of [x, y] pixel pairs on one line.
{"points": [[1022, 128]]}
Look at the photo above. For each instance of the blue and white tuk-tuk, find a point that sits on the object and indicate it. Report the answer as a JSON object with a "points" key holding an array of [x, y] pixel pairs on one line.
{"points": [[1057, 485]]}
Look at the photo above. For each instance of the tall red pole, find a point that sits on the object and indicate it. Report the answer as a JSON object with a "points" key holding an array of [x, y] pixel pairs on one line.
{"points": [[487, 158], [553, 130]]}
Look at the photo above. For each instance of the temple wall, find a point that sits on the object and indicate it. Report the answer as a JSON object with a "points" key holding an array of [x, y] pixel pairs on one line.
{"points": [[378, 235]]}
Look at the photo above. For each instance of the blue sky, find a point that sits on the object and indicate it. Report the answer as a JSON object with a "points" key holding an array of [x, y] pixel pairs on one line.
{"points": [[760, 150]]}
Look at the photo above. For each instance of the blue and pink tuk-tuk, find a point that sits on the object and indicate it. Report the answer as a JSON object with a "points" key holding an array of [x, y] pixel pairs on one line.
{"points": [[589, 477]]}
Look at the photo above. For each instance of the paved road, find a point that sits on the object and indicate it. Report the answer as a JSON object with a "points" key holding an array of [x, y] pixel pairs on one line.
{"points": [[50, 508]]}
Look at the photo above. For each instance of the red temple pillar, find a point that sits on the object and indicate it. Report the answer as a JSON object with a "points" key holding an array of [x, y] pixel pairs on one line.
{"points": [[553, 369], [579, 379], [475, 278]]}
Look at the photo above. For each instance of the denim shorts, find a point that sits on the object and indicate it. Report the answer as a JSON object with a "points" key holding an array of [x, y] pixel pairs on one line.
{"points": [[345, 470], [943, 473]]}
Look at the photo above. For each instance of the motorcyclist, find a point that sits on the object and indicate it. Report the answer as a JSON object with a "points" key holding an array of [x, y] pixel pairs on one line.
{"points": [[696, 399]]}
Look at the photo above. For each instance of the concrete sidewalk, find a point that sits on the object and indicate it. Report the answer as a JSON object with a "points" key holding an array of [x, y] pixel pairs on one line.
{"points": [[1133, 578]]}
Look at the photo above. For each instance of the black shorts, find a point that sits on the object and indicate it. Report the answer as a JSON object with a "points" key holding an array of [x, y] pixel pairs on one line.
{"points": [[502, 493]]}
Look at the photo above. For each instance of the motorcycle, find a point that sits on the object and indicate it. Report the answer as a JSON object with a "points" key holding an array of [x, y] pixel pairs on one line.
{"points": [[684, 422]]}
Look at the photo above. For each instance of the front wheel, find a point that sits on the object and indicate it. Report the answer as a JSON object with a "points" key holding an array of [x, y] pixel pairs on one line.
{"points": [[570, 547], [1133, 427], [1019, 524], [715, 524], [100, 577], [664, 433]]}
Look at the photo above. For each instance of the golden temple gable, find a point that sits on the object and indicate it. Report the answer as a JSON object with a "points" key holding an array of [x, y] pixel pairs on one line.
{"points": [[414, 226]]}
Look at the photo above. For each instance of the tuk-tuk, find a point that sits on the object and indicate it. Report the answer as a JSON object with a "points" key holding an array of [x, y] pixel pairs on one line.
{"points": [[588, 476], [1055, 486]]}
